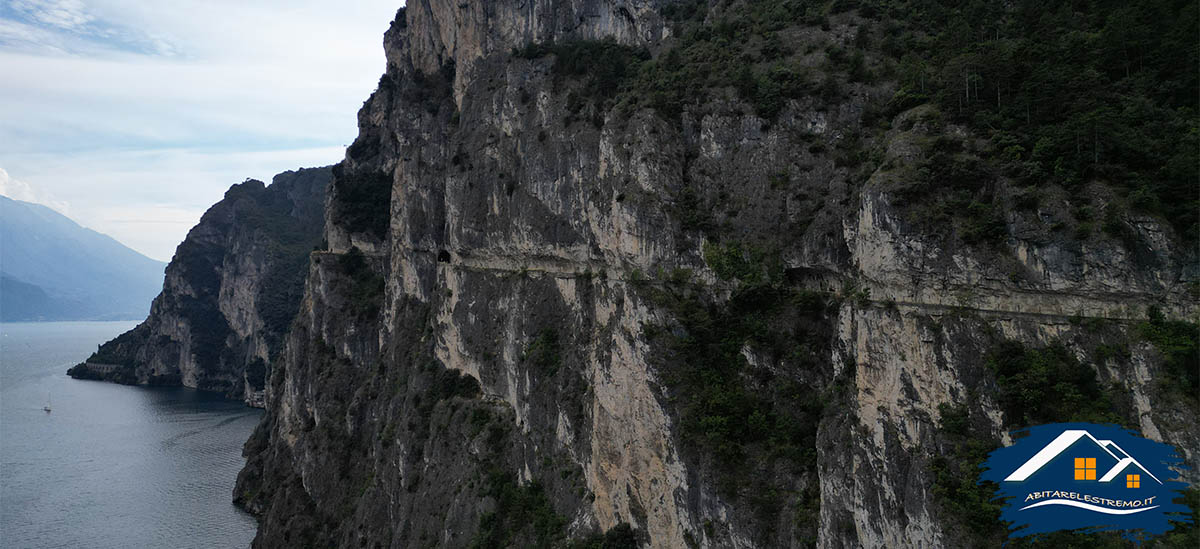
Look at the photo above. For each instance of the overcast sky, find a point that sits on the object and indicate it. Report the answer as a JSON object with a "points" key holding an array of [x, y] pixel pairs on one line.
{"points": [[132, 117]]}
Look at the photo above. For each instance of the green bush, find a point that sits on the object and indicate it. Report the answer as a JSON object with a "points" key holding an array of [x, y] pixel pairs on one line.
{"points": [[728, 410], [523, 516], [366, 292], [118, 350], [362, 201], [453, 384], [1177, 341], [620, 536], [1048, 385], [293, 233], [750, 266], [740, 50], [210, 330], [603, 65], [956, 472], [1103, 90], [984, 224], [544, 352]]}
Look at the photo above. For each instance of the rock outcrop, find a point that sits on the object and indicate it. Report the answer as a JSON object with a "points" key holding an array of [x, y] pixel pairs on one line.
{"points": [[545, 315], [230, 293]]}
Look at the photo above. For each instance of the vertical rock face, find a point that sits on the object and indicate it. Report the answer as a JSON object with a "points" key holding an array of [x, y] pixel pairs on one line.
{"points": [[540, 318], [466, 33], [230, 292]]}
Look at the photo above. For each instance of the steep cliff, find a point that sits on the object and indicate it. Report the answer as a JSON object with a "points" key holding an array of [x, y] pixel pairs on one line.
{"points": [[230, 292], [564, 302]]}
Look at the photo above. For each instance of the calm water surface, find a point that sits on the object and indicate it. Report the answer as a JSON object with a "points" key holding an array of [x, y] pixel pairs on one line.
{"points": [[111, 466]]}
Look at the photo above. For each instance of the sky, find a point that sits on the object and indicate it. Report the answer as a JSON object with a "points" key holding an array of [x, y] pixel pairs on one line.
{"points": [[132, 117]]}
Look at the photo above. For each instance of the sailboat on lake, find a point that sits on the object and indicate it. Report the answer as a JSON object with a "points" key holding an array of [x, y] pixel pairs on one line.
{"points": [[47, 406]]}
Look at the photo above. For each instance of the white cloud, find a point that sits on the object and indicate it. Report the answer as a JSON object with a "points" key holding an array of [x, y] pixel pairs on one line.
{"points": [[148, 200], [64, 14], [20, 190], [19, 36], [117, 107]]}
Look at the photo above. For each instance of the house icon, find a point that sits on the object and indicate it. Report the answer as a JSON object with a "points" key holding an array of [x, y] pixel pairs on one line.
{"points": [[1071, 476], [1088, 452]]}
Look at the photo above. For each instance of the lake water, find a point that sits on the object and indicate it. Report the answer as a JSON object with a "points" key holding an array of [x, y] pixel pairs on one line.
{"points": [[111, 465]]}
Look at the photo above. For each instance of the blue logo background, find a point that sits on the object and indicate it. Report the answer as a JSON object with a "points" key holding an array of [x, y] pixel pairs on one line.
{"points": [[1044, 489]]}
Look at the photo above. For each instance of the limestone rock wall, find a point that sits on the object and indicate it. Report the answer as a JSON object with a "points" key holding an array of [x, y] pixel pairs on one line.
{"points": [[497, 330]]}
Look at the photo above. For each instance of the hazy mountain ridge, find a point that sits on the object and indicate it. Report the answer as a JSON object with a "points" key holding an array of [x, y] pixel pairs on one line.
{"points": [[54, 269]]}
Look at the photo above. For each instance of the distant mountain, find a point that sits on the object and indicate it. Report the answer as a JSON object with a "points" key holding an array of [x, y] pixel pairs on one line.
{"points": [[51, 268]]}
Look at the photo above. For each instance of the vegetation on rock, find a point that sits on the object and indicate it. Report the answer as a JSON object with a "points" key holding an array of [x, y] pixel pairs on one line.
{"points": [[363, 200], [752, 421], [1177, 340]]}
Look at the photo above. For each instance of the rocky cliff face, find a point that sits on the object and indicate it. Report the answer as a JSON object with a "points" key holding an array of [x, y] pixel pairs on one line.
{"points": [[550, 313], [230, 292]]}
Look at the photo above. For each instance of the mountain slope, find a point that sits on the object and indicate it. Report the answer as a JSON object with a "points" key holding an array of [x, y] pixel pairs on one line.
{"points": [[54, 269], [703, 273], [589, 282], [231, 291]]}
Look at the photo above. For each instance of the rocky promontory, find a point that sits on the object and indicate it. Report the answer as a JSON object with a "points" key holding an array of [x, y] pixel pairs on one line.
{"points": [[230, 293]]}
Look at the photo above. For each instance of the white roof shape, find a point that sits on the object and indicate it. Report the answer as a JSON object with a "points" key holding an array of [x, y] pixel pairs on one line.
{"points": [[1114, 449], [1121, 465], [1056, 447]]}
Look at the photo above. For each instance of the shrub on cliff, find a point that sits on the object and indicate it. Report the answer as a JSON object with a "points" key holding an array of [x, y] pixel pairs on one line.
{"points": [[366, 286], [1048, 385], [1177, 340], [362, 200]]}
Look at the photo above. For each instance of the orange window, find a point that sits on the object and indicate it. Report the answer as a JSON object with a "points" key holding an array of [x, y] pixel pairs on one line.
{"points": [[1085, 468], [1133, 481]]}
